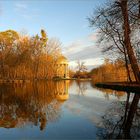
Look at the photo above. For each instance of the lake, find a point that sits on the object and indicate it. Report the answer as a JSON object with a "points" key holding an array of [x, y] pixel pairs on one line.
{"points": [[57, 110]]}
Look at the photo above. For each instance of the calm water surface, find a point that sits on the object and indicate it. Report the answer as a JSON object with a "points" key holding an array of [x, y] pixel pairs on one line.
{"points": [[55, 110]]}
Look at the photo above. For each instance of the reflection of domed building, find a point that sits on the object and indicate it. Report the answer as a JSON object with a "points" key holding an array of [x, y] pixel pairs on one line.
{"points": [[62, 97], [62, 67], [61, 90], [34, 103]]}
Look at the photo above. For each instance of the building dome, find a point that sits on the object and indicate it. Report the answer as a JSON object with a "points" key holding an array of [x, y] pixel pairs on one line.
{"points": [[62, 60]]}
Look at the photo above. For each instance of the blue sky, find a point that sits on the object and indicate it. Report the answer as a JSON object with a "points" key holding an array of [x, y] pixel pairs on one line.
{"points": [[64, 19]]}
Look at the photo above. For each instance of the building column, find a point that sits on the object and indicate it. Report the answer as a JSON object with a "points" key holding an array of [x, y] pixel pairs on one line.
{"points": [[67, 71]]}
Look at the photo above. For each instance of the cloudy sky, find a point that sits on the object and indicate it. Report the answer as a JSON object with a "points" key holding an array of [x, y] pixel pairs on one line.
{"points": [[64, 19]]}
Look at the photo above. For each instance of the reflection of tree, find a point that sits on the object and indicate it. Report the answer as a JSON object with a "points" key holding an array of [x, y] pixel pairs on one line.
{"points": [[108, 92], [34, 103], [82, 87], [115, 120]]}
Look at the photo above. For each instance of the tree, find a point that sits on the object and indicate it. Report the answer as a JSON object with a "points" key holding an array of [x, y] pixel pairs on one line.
{"points": [[7, 38], [127, 41], [81, 69], [53, 50], [25, 57], [126, 15], [109, 20], [124, 8]]}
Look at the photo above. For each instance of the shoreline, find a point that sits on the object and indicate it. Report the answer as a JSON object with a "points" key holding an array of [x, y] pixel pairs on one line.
{"points": [[120, 86], [20, 81]]}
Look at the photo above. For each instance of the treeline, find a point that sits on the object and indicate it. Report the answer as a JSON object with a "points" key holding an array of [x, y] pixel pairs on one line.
{"points": [[112, 72], [25, 57]]}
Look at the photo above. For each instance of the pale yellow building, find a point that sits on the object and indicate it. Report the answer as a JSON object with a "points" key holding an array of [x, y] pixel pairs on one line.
{"points": [[62, 69]]}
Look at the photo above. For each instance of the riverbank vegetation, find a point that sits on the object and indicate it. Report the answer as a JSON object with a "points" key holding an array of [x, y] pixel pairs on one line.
{"points": [[25, 57], [112, 72]]}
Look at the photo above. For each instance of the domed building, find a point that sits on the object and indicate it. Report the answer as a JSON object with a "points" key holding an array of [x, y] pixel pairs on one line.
{"points": [[62, 69]]}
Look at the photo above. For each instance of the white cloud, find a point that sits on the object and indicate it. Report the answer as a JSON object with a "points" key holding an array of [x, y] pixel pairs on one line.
{"points": [[21, 5], [89, 63], [73, 47], [93, 37], [93, 61], [85, 53], [23, 10], [80, 44], [85, 50]]}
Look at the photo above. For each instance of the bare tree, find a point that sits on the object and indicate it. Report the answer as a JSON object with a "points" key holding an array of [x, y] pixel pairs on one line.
{"points": [[80, 68], [109, 19]]}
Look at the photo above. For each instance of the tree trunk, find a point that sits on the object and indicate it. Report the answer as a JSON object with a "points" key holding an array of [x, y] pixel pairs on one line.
{"points": [[133, 62], [127, 41], [127, 67], [131, 114], [139, 10], [126, 107]]}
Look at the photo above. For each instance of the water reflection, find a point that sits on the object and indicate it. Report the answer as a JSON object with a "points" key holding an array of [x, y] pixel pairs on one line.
{"points": [[108, 92], [82, 87], [36, 103], [113, 123], [121, 120], [78, 108]]}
